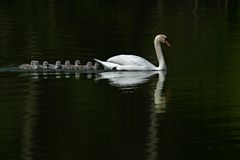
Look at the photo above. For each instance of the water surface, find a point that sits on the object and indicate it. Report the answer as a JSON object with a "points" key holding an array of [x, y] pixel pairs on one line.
{"points": [[192, 111]]}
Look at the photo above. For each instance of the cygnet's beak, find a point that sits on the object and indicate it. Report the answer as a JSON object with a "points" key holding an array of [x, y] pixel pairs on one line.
{"points": [[168, 44]]}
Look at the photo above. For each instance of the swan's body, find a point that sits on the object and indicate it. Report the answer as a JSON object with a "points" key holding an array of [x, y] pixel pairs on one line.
{"points": [[127, 62], [133, 62]]}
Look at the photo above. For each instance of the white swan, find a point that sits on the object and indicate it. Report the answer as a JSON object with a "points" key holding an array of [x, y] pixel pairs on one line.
{"points": [[133, 62]]}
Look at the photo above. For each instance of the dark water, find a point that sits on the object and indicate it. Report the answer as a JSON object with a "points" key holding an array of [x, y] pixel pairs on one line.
{"points": [[190, 112]]}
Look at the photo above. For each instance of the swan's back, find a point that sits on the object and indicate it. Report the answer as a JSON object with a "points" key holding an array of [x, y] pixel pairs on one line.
{"points": [[131, 60]]}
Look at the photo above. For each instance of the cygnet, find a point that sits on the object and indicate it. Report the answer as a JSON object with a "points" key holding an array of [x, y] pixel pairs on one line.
{"points": [[76, 65], [32, 65], [67, 65], [44, 65], [88, 66], [96, 65], [56, 66]]}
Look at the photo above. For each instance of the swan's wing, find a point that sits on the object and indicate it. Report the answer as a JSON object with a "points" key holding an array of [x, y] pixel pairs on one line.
{"points": [[107, 65], [132, 60], [127, 62]]}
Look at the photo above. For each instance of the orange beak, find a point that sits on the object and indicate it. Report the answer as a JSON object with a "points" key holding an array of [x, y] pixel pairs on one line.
{"points": [[168, 44]]}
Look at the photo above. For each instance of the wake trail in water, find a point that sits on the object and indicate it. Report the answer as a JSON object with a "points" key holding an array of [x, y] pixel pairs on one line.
{"points": [[15, 69]]}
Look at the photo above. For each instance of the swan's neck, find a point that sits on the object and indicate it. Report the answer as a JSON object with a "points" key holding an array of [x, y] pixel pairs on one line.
{"points": [[158, 49]]}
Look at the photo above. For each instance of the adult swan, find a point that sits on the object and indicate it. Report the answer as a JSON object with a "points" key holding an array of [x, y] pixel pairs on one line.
{"points": [[132, 62]]}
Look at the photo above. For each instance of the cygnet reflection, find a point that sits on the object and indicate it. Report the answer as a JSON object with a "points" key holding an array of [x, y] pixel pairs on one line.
{"points": [[77, 75], [35, 75]]}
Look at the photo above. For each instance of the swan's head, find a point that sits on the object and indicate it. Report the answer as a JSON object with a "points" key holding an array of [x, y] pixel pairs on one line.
{"points": [[161, 38]]}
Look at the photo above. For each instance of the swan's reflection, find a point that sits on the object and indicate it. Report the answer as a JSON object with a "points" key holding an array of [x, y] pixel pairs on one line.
{"points": [[132, 79], [159, 98], [127, 78], [159, 108], [122, 80]]}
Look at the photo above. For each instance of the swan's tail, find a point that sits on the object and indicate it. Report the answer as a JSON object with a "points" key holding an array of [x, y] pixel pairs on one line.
{"points": [[107, 65], [99, 61]]}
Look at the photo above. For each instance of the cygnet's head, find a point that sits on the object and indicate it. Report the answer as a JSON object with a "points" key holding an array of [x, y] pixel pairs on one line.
{"points": [[45, 63], [67, 62], [32, 63], [77, 62], [58, 63], [162, 39], [36, 63], [89, 64], [96, 64]]}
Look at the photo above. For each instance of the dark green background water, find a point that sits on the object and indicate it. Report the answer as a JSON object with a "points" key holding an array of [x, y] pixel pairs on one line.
{"points": [[193, 114]]}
